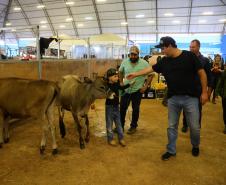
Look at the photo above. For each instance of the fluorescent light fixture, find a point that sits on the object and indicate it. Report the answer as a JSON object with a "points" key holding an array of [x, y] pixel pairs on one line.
{"points": [[88, 18], [43, 22], [69, 19], [100, 1], [40, 6], [13, 30], [202, 21], [207, 13], [150, 22], [96, 48], [80, 25], [69, 3], [222, 20], [17, 8], [8, 24], [62, 26], [140, 16], [43, 26], [175, 22], [168, 14], [124, 23]]}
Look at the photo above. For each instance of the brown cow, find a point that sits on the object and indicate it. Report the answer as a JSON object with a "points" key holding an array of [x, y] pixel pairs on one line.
{"points": [[22, 98], [77, 96]]}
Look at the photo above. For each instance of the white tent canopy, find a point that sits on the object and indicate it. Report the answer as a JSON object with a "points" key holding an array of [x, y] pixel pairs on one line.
{"points": [[137, 20], [107, 38]]}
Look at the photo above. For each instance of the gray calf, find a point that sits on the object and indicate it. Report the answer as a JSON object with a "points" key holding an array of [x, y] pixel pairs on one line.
{"points": [[77, 96]]}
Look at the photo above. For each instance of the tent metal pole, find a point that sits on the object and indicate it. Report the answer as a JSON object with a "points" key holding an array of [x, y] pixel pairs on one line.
{"points": [[38, 53], [58, 51]]}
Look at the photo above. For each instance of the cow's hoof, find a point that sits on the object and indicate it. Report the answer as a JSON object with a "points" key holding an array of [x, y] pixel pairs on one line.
{"points": [[6, 140], [82, 146], [42, 149], [55, 151], [62, 136], [0, 145], [87, 139]]}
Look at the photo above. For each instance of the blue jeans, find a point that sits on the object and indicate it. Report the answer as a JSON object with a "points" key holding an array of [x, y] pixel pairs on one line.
{"points": [[112, 114], [190, 106]]}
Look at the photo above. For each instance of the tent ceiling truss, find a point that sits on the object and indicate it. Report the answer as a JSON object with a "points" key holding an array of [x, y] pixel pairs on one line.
{"points": [[126, 20], [107, 17], [73, 20], [48, 18], [189, 17], [156, 19], [25, 16], [97, 16]]}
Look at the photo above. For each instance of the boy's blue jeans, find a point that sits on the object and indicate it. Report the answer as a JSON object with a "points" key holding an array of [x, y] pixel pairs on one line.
{"points": [[112, 114], [190, 106]]}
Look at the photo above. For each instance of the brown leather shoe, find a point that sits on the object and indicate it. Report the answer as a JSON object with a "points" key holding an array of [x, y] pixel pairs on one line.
{"points": [[112, 142], [131, 130], [122, 142]]}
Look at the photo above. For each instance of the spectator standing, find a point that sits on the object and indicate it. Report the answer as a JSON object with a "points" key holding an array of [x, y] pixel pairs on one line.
{"points": [[181, 70], [221, 90], [134, 93], [216, 69], [195, 48]]}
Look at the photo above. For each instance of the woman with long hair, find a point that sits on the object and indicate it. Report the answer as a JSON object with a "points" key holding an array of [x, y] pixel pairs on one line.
{"points": [[217, 69]]}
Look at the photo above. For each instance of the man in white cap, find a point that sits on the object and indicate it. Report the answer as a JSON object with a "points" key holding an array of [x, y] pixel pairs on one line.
{"points": [[133, 93]]}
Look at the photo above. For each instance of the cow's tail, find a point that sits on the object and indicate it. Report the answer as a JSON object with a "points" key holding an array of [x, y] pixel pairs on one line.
{"points": [[61, 123], [61, 112]]}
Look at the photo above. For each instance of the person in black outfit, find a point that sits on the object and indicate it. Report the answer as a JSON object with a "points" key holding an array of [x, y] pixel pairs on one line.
{"points": [[112, 113], [194, 48], [216, 70], [181, 70]]}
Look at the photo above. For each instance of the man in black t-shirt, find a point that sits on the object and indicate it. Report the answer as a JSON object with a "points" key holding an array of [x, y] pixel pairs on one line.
{"points": [[181, 70]]}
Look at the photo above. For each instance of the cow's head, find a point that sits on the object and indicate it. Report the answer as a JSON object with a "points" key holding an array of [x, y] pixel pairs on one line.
{"points": [[100, 88]]}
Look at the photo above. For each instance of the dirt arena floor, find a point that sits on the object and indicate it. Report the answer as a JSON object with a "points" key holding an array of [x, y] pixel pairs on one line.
{"points": [[138, 163]]}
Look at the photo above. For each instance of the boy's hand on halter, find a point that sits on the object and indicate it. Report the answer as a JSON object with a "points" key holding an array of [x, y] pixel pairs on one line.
{"points": [[111, 96]]}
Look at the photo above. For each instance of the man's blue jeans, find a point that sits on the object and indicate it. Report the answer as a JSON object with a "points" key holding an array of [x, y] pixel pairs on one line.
{"points": [[190, 106], [112, 114]]}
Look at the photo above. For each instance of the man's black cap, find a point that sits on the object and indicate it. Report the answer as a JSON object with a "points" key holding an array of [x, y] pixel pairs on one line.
{"points": [[165, 42]]}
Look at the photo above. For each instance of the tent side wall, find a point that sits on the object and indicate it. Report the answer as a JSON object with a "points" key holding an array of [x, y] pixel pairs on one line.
{"points": [[54, 70]]}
